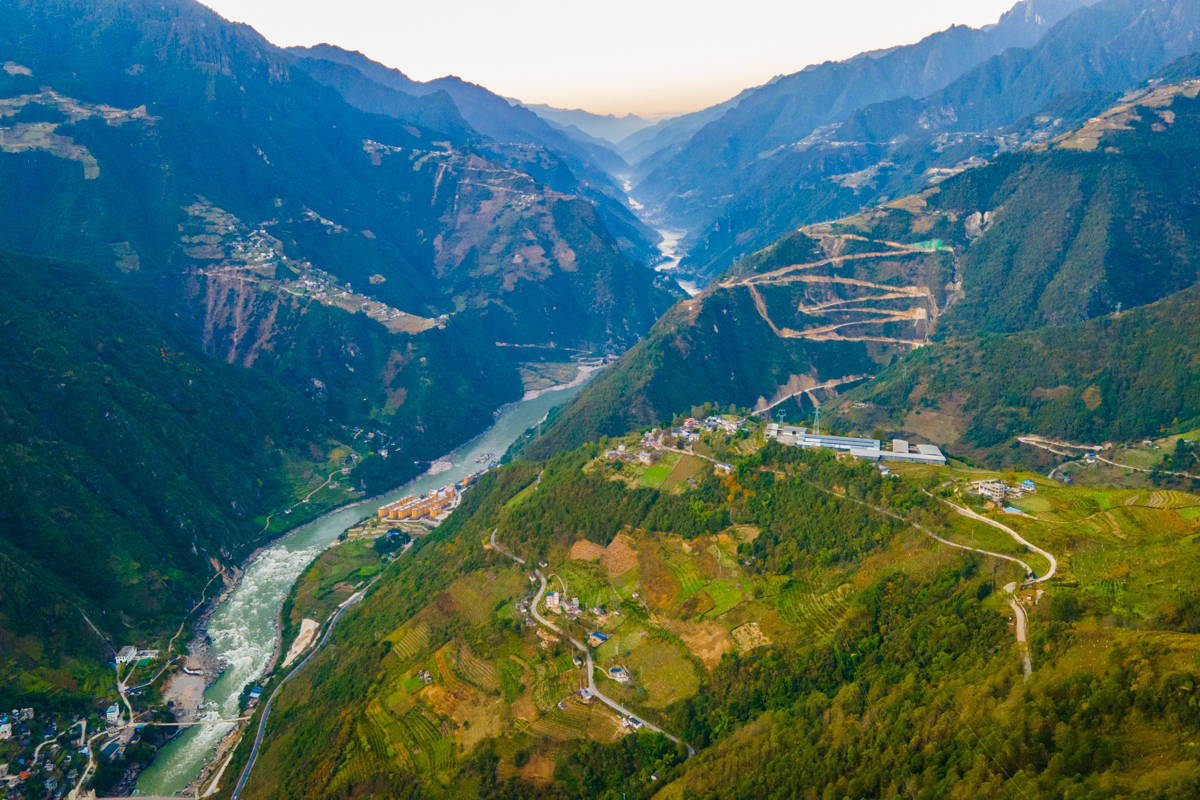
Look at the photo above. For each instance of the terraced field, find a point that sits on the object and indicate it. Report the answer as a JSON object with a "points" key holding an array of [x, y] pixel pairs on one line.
{"points": [[816, 613], [356, 766], [443, 660], [573, 723], [725, 595], [554, 686], [1161, 498], [430, 750], [389, 737], [408, 640], [685, 571], [478, 671]]}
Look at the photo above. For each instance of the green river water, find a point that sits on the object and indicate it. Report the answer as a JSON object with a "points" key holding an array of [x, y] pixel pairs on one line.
{"points": [[243, 627]]}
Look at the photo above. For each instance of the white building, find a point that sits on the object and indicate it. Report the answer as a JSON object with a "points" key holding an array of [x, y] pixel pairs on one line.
{"points": [[860, 448]]}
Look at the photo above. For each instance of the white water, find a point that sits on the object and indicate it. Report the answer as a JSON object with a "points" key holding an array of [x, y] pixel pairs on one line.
{"points": [[668, 245], [243, 627]]}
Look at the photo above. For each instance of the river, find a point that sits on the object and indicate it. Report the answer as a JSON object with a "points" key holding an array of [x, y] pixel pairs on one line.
{"points": [[668, 246], [243, 627]]}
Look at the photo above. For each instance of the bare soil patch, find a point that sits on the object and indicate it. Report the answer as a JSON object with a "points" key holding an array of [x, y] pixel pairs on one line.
{"points": [[620, 556], [583, 550], [749, 636]]}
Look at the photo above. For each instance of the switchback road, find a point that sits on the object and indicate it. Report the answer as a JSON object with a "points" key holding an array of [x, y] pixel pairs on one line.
{"points": [[589, 666]]}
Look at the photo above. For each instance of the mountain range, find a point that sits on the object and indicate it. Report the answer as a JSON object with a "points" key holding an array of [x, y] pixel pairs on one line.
{"points": [[839, 137], [244, 285], [368, 250], [1062, 227]]}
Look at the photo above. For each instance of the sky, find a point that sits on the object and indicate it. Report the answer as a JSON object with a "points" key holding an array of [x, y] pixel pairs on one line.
{"points": [[649, 57]]}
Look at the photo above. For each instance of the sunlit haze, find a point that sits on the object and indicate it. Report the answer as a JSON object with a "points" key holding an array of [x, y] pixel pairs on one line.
{"points": [[645, 56]]}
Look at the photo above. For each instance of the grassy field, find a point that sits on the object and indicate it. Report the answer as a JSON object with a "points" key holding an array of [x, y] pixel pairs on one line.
{"points": [[655, 475], [333, 576], [687, 468], [677, 604]]}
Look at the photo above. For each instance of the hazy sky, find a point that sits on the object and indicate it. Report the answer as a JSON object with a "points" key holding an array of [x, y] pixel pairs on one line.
{"points": [[645, 56]]}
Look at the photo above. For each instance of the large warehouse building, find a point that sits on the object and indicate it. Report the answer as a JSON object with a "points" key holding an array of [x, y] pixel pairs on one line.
{"points": [[861, 448]]}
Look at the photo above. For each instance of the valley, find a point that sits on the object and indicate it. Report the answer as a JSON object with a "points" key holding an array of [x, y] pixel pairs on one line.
{"points": [[366, 435], [667, 613], [243, 629]]}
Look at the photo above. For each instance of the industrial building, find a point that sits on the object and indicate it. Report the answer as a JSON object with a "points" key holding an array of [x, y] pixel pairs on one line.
{"points": [[860, 448]]}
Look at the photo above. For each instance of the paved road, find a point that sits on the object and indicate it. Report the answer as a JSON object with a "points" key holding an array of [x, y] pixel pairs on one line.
{"points": [[262, 723], [587, 654], [1054, 446], [966, 512], [1022, 640], [499, 548], [590, 668], [1010, 589]]}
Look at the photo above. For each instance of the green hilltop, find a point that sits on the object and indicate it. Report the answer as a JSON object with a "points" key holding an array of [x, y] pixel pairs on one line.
{"points": [[793, 621], [1036, 252]]}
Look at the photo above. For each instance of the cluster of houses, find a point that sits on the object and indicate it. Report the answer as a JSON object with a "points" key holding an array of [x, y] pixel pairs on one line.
{"points": [[713, 423], [54, 766], [644, 455], [691, 429], [129, 654], [15, 717], [999, 491], [649, 449], [570, 607], [435, 505], [871, 449]]}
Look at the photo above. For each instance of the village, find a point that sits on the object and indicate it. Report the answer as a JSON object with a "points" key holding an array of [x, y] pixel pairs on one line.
{"points": [[432, 507], [44, 755], [652, 444], [592, 618]]}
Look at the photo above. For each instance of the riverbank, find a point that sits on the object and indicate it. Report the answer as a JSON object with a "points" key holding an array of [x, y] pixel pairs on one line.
{"points": [[244, 626], [582, 376], [670, 253]]}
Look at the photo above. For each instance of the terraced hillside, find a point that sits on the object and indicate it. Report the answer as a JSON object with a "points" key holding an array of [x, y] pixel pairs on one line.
{"points": [[1100, 220], [798, 600]]}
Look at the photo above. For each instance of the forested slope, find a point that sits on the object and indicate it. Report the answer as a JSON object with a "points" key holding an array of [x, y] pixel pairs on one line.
{"points": [[1116, 378], [1102, 219], [133, 467], [802, 640]]}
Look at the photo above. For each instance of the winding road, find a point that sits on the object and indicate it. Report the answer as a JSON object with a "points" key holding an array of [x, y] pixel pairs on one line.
{"points": [[966, 512], [1055, 446], [262, 722], [1021, 623], [589, 666]]}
